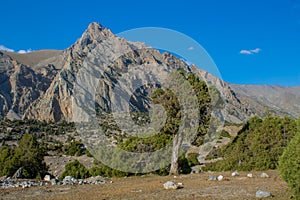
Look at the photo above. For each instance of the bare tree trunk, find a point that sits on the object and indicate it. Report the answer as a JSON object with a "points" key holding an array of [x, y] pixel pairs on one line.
{"points": [[177, 141]]}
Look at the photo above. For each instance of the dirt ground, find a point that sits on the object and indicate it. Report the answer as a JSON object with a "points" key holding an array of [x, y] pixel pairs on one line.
{"points": [[195, 186]]}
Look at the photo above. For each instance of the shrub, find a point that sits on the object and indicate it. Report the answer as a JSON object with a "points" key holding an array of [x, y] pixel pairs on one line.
{"points": [[103, 170], [289, 164], [29, 155], [193, 159], [183, 165], [225, 134], [75, 169], [75, 149], [257, 146]]}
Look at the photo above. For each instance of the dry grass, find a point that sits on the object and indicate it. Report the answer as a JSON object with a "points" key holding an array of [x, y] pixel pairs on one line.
{"points": [[151, 187]]}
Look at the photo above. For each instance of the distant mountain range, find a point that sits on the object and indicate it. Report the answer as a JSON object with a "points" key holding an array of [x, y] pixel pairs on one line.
{"points": [[40, 84]]}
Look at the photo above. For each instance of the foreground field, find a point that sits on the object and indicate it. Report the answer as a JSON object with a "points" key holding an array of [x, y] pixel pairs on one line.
{"points": [[195, 186]]}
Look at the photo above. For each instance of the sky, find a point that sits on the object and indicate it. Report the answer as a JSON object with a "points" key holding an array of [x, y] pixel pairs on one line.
{"points": [[251, 42]]}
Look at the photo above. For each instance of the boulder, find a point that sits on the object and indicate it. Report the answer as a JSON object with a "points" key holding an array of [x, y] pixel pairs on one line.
{"points": [[212, 178], [264, 175], [53, 181], [220, 178], [170, 185], [47, 178], [235, 173], [262, 194], [68, 180]]}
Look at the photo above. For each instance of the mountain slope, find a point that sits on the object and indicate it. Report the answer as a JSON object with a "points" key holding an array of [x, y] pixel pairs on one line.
{"points": [[276, 99], [41, 84]]}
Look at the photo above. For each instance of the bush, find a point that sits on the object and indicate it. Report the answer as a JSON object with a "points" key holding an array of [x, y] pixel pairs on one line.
{"points": [[29, 155], [183, 165], [75, 149], [225, 134], [103, 170], [289, 164], [193, 159], [75, 169], [257, 146]]}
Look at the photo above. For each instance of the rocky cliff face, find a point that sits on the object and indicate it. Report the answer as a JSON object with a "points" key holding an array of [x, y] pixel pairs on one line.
{"points": [[45, 89], [20, 86]]}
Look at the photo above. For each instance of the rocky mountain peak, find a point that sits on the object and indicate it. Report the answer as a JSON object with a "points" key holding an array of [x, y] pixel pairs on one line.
{"points": [[95, 33], [40, 85]]}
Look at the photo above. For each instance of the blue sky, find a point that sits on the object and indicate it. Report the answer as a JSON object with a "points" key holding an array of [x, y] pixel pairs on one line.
{"points": [[253, 42]]}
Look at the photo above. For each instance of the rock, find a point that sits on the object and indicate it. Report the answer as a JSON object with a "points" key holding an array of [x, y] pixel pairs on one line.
{"points": [[262, 194], [212, 178], [68, 180], [93, 179], [170, 185], [250, 175], [80, 181], [25, 185], [53, 181], [47, 178], [220, 178], [264, 175], [196, 169], [235, 173]]}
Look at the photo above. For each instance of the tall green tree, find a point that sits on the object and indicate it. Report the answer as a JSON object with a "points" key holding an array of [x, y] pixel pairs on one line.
{"points": [[289, 164], [28, 155]]}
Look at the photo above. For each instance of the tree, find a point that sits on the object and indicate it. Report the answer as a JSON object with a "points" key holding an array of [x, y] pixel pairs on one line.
{"points": [[289, 164], [172, 107], [29, 155], [257, 146]]}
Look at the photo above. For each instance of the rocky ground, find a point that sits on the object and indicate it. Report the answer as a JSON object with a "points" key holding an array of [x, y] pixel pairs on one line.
{"points": [[194, 186]]}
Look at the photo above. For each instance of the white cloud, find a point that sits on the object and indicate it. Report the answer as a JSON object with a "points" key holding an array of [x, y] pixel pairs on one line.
{"points": [[257, 50], [251, 51], [25, 51], [191, 48], [247, 52], [3, 48]]}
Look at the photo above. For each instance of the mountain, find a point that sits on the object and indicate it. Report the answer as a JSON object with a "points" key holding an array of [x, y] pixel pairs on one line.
{"points": [[283, 101], [41, 84]]}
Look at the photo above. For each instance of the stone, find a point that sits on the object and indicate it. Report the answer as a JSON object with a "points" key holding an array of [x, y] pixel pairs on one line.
{"points": [[262, 194], [53, 181], [264, 175], [250, 175], [25, 185], [47, 178], [220, 178], [235, 173], [212, 178], [80, 181], [170, 185], [68, 180]]}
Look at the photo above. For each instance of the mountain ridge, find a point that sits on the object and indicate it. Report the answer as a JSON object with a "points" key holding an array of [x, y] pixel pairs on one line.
{"points": [[41, 88]]}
